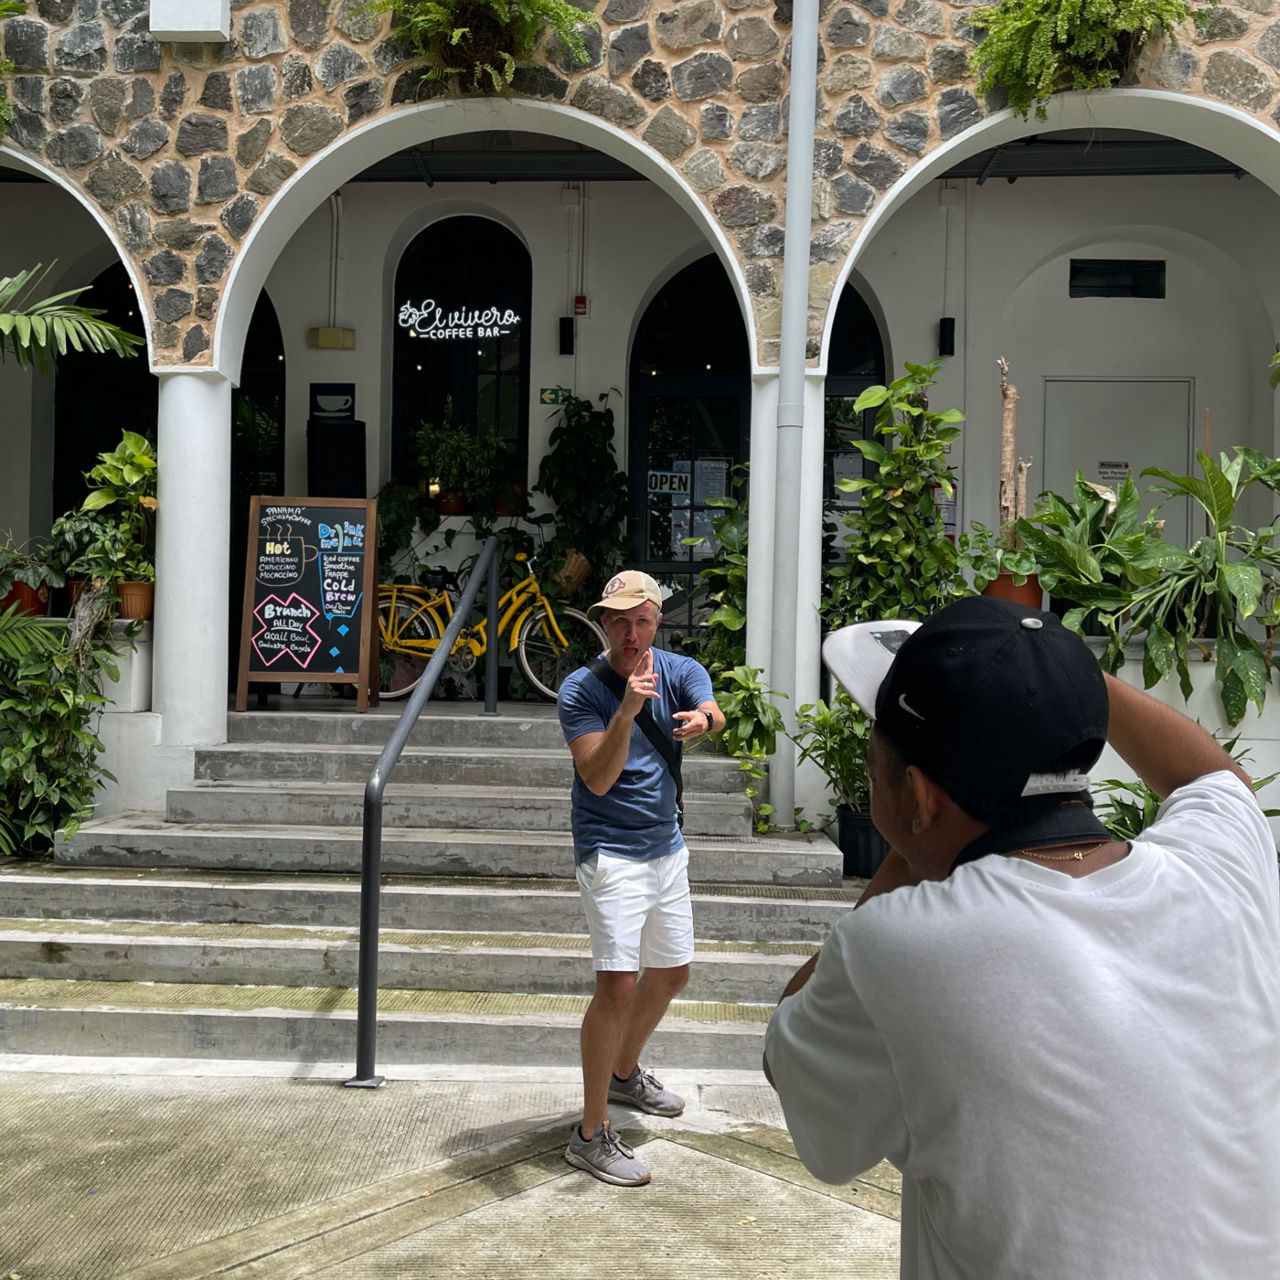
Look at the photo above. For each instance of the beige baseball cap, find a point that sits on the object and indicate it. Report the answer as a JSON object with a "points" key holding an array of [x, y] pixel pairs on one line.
{"points": [[627, 589]]}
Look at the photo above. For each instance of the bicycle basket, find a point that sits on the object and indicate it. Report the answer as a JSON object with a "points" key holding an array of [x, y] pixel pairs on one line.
{"points": [[572, 574]]}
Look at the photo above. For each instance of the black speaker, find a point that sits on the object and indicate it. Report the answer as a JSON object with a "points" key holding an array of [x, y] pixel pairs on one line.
{"points": [[335, 459], [947, 336], [566, 335]]}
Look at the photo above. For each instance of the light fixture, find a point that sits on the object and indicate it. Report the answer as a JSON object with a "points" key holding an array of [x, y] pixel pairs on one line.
{"points": [[433, 489]]}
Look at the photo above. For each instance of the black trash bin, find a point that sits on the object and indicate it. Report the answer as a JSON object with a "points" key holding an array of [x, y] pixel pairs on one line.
{"points": [[335, 459]]}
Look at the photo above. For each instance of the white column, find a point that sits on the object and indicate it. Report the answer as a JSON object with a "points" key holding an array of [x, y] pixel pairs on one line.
{"points": [[760, 521], [192, 557]]}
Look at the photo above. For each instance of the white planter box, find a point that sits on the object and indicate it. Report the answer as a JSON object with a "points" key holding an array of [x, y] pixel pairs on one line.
{"points": [[190, 20], [132, 692]]}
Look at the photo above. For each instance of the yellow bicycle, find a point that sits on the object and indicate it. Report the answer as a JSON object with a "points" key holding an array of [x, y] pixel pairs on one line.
{"points": [[549, 641]]}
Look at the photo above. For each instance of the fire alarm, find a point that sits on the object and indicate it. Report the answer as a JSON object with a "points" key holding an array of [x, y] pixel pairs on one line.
{"points": [[580, 306]]}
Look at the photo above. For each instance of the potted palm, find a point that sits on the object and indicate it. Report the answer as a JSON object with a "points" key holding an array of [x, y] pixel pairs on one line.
{"points": [[834, 736]]}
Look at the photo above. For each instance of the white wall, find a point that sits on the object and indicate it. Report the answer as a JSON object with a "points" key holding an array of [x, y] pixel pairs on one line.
{"points": [[636, 237], [1006, 284], [38, 224]]}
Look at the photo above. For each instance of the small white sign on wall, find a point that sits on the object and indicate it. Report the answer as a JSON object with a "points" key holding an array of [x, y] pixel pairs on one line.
{"points": [[190, 20]]}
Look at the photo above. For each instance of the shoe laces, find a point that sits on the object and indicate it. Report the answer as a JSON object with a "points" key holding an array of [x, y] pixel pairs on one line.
{"points": [[615, 1144], [649, 1081]]}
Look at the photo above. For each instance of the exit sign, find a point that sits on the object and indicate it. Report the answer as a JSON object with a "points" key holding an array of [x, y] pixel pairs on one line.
{"points": [[553, 395]]}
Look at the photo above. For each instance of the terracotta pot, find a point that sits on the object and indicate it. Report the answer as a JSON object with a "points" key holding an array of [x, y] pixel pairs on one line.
{"points": [[136, 599], [449, 503], [32, 600], [1029, 593]]}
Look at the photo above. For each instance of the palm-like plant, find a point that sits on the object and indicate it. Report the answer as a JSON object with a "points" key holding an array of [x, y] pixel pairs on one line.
{"points": [[34, 328]]}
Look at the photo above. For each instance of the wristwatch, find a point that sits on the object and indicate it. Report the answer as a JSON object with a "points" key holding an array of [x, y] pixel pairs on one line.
{"points": [[711, 724]]}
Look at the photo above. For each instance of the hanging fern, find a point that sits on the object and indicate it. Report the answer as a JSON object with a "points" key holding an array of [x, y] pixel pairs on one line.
{"points": [[1036, 48], [478, 42]]}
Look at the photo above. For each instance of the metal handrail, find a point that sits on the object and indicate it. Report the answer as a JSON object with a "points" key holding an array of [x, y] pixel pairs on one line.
{"points": [[371, 845]]}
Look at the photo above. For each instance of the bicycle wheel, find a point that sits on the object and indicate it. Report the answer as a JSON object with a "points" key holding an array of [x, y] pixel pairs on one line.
{"points": [[400, 669], [544, 660]]}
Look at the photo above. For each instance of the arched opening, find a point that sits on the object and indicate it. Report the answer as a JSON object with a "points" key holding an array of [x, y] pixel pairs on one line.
{"points": [[689, 409], [856, 362], [462, 300], [97, 398]]}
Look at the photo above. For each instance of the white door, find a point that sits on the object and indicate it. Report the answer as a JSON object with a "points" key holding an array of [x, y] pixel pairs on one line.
{"points": [[1105, 426]]}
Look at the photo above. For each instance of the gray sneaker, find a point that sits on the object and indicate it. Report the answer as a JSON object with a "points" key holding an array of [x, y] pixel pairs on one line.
{"points": [[606, 1157], [644, 1090]]}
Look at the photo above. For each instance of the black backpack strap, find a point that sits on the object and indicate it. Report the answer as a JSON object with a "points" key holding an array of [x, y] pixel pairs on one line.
{"points": [[662, 744]]}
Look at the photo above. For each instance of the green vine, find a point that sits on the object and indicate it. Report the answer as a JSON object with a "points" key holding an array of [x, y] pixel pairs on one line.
{"points": [[479, 42], [1036, 48]]}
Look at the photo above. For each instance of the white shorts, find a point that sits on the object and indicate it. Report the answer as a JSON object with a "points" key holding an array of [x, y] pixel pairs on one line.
{"points": [[638, 913]]}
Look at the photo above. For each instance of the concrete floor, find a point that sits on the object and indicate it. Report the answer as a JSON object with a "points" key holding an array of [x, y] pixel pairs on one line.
{"points": [[133, 1169]]}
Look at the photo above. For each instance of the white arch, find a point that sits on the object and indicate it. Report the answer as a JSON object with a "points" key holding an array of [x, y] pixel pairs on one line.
{"points": [[357, 149], [1213, 126], [21, 161]]}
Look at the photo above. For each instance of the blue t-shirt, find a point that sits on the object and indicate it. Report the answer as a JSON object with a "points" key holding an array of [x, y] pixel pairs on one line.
{"points": [[636, 817]]}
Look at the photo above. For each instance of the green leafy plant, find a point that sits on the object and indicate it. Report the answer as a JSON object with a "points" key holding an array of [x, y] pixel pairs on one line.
{"points": [[580, 474], [32, 329], [834, 736], [894, 559], [125, 480], [752, 723], [986, 555], [51, 676], [29, 567], [1130, 807], [404, 514], [1275, 370], [1036, 48], [1093, 550], [722, 636], [478, 43]]}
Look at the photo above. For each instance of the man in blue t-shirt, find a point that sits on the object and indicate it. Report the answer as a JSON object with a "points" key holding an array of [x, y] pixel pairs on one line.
{"points": [[632, 863]]}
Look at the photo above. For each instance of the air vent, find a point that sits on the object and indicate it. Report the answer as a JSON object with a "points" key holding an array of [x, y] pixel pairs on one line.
{"points": [[1117, 278]]}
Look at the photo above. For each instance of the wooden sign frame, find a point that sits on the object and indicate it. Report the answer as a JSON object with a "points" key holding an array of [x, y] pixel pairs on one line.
{"points": [[365, 677]]}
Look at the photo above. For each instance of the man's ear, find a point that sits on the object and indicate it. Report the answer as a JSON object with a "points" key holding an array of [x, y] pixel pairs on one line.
{"points": [[928, 798]]}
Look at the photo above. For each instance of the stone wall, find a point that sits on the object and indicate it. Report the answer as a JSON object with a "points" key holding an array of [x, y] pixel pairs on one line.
{"points": [[184, 146]]}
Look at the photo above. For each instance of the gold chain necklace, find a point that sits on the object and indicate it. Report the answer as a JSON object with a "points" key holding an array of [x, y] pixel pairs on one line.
{"points": [[1076, 855]]}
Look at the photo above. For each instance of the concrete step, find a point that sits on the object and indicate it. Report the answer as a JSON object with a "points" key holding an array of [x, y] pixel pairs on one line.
{"points": [[469, 765], [441, 724], [289, 956], [751, 913], [340, 804], [317, 1024], [145, 841]]}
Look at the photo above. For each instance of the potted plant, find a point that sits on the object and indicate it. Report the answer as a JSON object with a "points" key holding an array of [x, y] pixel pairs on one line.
{"points": [[457, 462], [834, 736], [580, 474], [990, 558], [26, 577], [1035, 48], [890, 557], [124, 552], [477, 43]]}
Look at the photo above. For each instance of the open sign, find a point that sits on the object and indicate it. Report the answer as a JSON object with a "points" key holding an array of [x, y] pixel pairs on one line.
{"points": [[669, 482]]}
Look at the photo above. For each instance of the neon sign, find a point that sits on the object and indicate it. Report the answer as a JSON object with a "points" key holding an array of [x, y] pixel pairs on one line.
{"points": [[432, 321]]}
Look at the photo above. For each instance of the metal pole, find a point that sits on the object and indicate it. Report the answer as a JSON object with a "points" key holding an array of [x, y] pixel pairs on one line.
{"points": [[491, 651], [367, 987], [791, 380], [371, 859]]}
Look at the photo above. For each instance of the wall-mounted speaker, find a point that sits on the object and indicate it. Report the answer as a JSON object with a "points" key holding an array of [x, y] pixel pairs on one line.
{"points": [[947, 336], [566, 335]]}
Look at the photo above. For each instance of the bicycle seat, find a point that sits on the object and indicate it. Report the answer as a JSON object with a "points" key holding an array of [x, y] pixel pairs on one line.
{"points": [[436, 578]]}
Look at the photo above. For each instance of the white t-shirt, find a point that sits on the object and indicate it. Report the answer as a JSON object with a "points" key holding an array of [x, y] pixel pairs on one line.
{"points": [[1078, 1078]]}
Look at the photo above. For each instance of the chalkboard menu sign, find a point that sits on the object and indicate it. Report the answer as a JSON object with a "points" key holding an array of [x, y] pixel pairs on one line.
{"points": [[310, 597]]}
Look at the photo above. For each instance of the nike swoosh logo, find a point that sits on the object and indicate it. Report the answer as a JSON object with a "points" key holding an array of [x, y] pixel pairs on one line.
{"points": [[902, 702]]}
